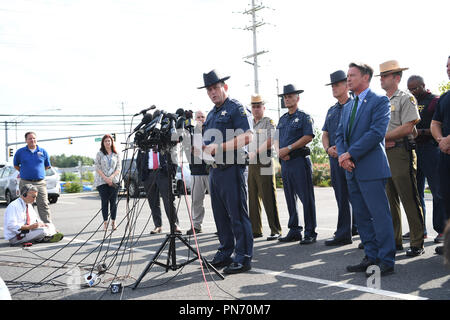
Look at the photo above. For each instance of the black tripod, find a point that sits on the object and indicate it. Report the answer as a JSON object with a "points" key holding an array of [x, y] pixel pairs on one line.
{"points": [[170, 240]]}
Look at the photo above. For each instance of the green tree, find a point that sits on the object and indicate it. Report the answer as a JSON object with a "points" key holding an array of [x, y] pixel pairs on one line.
{"points": [[63, 161], [444, 87], [318, 154]]}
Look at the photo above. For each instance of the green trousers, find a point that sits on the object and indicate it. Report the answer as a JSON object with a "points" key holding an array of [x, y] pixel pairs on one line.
{"points": [[403, 186], [261, 185]]}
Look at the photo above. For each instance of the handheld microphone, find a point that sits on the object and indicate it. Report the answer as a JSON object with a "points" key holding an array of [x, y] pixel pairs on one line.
{"points": [[158, 121], [146, 119], [145, 110]]}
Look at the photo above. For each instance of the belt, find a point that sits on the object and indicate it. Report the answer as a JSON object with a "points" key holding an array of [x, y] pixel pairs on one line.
{"points": [[33, 180]]}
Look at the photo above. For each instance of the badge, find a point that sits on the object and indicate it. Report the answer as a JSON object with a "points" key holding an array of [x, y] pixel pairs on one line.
{"points": [[272, 123], [224, 112], [296, 120], [421, 107], [392, 108]]}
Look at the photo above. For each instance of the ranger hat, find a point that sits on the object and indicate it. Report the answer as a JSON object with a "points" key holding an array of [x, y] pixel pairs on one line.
{"points": [[388, 67]]}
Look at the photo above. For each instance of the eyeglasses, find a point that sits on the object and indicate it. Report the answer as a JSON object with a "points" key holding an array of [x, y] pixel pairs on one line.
{"points": [[413, 89]]}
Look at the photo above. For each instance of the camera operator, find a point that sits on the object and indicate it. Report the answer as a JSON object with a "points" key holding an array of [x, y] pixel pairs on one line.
{"points": [[153, 169]]}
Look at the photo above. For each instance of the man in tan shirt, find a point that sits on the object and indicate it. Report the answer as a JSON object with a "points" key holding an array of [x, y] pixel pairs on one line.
{"points": [[402, 159]]}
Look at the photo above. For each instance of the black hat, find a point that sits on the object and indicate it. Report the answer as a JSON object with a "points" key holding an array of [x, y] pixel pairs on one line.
{"points": [[337, 76], [211, 78], [288, 89]]}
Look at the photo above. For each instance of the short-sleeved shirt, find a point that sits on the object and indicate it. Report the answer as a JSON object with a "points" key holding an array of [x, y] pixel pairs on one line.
{"points": [[332, 120], [442, 113], [32, 164], [263, 130], [226, 122], [403, 110], [426, 106], [292, 127]]}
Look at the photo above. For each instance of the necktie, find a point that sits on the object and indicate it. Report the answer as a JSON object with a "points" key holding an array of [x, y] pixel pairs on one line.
{"points": [[28, 216], [155, 160], [352, 117]]}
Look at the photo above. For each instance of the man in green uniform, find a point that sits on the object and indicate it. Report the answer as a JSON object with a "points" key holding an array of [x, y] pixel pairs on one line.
{"points": [[261, 178], [402, 158]]}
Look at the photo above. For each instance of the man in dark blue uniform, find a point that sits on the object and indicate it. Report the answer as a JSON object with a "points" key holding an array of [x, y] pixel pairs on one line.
{"points": [[343, 234], [440, 129], [295, 131], [427, 152], [226, 131]]}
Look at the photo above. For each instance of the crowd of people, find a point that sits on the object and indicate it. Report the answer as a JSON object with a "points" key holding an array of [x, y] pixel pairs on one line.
{"points": [[381, 148]]}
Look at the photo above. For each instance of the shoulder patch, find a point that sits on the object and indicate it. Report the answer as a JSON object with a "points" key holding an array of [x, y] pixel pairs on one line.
{"points": [[242, 111], [413, 100]]}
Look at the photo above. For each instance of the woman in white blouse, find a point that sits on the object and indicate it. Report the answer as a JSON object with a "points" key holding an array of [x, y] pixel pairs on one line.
{"points": [[108, 167]]}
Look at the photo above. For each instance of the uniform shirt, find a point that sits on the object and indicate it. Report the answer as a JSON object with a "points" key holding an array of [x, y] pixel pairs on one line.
{"points": [[426, 106], [403, 110], [224, 123], [263, 130], [292, 127], [32, 164], [16, 217], [442, 113], [332, 120]]}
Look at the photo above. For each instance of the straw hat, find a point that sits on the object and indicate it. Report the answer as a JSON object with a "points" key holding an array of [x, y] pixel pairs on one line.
{"points": [[256, 98], [389, 67]]}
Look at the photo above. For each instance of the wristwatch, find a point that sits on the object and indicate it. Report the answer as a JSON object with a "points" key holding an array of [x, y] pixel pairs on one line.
{"points": [[289, 147]]}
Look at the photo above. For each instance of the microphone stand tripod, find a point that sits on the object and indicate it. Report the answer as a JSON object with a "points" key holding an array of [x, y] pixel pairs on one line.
{"points": [[171, 262]]}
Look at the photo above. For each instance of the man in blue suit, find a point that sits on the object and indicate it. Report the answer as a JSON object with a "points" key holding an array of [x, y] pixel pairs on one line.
{"points": [[360, 145]]}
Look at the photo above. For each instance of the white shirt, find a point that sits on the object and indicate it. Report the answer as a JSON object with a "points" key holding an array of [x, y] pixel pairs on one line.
{"points": [[150, 159], [16, 217]]}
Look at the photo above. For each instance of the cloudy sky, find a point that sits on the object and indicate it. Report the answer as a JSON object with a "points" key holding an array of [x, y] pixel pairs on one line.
{"points": [[68, 57]]}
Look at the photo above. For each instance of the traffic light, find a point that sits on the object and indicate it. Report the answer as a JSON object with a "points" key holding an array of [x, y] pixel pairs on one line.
{"points": [[70, 141], [113, 136], [11, 152]]}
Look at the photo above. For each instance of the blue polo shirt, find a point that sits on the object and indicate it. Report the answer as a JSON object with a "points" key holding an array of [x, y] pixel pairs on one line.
{"points": [[292, 127], [332, 121], [224, 123], [32, 164], [442, 113]]}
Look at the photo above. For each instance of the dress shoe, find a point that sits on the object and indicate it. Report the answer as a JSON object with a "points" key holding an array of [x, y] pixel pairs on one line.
{"points": [[439, 250], [338, 242], [406, 236], [257, 235], [190, 232], [439, 238], [218, 264], [273, 236], [156, 230], [362, 266], [399, 247], [308, 239], [236, 267], [414, 251], [354, 231], [384, 270], [360, 245], [291, 237]]}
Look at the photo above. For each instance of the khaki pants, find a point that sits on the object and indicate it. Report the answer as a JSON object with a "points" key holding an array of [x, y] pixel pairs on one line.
{"points": [[41, 200], [199, 186], [403, 186], [262, 186]]}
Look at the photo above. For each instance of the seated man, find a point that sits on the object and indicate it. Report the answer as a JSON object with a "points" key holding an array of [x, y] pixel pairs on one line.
{"points": [[23, 225]]}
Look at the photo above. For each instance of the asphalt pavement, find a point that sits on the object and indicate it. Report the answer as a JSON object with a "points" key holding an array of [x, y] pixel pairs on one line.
{"points": [[88, 261]]}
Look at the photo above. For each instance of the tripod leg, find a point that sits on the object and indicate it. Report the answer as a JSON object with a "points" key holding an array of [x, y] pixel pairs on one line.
{"points": [[152, 262]]}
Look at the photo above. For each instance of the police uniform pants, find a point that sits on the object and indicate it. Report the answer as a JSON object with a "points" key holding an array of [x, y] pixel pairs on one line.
{"points": [[297, 183], [199, 186], [261, 185], [229, 205], [42, 198], [403, 186], [428, 167], [444, 174], [339, 183], [157, 185]]}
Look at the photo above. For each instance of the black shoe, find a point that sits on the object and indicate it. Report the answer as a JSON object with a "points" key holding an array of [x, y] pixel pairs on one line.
{"points": [[354, 231], [257, 235], [337, 242], [308, 239], [273, 236], [236, 267], [291, 237], [406, 236], [218, 264], [362, 266], [399, 247], [360, 245], [439, 250], [414, 251], [190, 232], [384, 270]]}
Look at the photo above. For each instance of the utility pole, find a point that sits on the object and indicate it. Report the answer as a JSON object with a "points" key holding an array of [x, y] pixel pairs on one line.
{"points": [[255, 24]]}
